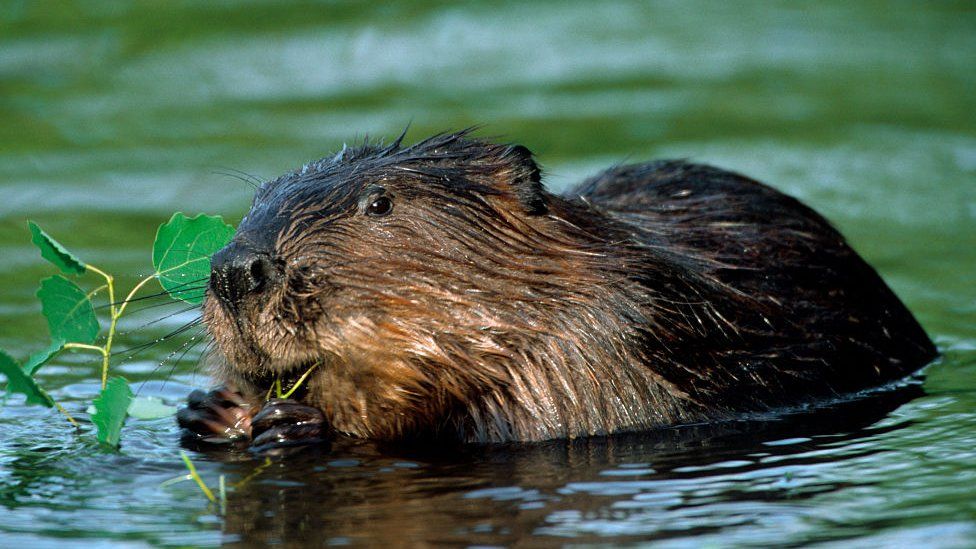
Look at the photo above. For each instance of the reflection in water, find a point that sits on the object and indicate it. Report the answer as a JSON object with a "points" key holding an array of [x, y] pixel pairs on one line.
{"points": [[669, 483]]}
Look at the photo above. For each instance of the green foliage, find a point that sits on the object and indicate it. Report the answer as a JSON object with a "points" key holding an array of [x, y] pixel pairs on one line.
{"points": [[111, 408], [69, 312], [40, 358], [53, 251], [181, 258], [182, 250], [19, 381]]}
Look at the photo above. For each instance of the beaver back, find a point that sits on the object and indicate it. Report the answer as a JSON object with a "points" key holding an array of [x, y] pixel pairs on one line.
{"points": [[782, 309]]}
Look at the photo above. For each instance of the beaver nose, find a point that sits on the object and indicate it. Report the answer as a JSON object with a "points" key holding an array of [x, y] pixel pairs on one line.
{"points": [[236, 272]]}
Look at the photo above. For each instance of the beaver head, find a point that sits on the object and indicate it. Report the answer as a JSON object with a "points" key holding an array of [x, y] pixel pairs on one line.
{"points": [[412, 276]]}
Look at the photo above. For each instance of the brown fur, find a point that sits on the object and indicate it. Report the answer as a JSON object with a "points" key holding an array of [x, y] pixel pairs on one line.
{"points": [[487, 309]]}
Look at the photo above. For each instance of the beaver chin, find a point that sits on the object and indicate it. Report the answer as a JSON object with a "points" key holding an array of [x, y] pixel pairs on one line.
{"points": [[284, 359], [257, 374], [261, 348]]}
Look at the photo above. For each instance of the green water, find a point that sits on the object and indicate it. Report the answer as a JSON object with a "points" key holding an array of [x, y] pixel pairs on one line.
{"points": [[113, 115]]}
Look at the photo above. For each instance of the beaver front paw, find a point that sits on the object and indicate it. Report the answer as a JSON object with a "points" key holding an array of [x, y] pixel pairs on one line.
{"points": [[221, 416], [284, 422]]}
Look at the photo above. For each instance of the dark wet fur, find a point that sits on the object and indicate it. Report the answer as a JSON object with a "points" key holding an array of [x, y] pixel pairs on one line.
{"points": [[484, 308]]}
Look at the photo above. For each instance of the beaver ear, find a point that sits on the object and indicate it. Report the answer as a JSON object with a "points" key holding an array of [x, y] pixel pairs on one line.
{"points": [[526, 179]]}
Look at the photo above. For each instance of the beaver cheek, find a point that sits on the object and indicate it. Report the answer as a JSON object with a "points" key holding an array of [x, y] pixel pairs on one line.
{"points": [[225, 341], [237, 355]]}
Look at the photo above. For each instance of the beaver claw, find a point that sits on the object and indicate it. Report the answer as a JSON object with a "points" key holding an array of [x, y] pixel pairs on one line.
{"points": [[223, 416], [219, 417], [283, 422]]}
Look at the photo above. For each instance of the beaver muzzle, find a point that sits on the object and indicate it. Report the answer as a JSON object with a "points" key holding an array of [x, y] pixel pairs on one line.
{"points": [[239, 272]]}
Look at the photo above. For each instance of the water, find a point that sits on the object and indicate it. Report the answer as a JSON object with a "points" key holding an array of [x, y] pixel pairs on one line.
{"points": [[116, 114]]}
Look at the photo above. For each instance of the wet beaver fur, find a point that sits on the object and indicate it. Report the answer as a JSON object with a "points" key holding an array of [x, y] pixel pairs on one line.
{"points": [[440, 291]]}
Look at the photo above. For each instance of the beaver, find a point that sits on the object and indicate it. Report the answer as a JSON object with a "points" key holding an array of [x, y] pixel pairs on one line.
{"points": [[438, 290]]}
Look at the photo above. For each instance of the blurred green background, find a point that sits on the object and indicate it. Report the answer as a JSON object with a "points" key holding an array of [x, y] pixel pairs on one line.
{"points": [[115, 114]]}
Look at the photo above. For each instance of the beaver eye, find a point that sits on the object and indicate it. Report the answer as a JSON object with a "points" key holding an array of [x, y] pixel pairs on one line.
{"points": [[379, 206]]}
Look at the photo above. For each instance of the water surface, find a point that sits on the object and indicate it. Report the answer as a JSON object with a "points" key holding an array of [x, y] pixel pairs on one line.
{"points": [[116, 114]]}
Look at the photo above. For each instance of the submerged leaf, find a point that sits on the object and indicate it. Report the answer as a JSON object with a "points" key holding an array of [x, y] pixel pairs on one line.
{"points": [[69, 312], [53, 251], [40, 358], [18, 381], [150, 408], [182, 250], [111, 407]]}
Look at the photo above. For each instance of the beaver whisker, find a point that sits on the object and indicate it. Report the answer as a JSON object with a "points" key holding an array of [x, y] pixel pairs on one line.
{"points": [[183, 349], [186, 286], [132, 352], [242, 176]]}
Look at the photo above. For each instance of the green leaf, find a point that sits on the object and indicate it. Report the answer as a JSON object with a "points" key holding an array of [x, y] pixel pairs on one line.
{"points": [[69, 312], [53, 251], [150, 408], [182, 250], [18, 381], [40, 358], [111, 407]]}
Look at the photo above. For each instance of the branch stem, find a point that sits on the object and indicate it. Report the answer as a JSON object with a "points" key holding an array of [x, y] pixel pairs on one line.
{"points": [[66, 414], [106, 351], [86, 347], [196, 477]]}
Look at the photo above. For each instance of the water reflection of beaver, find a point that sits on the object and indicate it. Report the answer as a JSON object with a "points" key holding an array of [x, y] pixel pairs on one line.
{"points": [[371, 501], [442, 292]]}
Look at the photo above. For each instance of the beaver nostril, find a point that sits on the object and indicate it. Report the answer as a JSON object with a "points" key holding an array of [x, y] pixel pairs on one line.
{"points": [[261, 271], [237, 272]]}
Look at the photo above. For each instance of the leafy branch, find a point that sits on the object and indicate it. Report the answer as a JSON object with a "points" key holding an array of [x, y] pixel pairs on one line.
{"points": [[181, 261]]}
